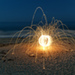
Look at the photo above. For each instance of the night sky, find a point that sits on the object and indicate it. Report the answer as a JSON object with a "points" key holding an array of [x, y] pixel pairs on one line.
{"points": [[22, 10]]}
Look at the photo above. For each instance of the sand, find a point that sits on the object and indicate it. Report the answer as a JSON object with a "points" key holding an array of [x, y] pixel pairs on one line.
{"points": [[58, 62]]}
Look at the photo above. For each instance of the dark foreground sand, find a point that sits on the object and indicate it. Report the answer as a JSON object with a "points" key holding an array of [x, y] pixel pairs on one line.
{"points": [[59, 62]]}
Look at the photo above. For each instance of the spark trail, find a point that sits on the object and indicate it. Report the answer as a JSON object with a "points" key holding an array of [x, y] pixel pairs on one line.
{"points": [[46, 36]]}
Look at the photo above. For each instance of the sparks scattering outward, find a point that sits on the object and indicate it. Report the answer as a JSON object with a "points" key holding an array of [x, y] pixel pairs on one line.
{"points": [[42, 34]]}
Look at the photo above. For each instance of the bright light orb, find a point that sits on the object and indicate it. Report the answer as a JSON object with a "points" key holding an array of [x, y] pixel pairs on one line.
{"points": [[45, 40]]}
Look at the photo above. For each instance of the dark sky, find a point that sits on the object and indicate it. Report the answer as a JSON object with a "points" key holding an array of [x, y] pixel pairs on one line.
{"points": [[22, 10]]}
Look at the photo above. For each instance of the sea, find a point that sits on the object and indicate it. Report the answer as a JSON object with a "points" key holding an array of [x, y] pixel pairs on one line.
{"points": [[8, 29]]}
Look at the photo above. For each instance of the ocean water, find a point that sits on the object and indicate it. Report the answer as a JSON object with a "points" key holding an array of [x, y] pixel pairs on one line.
{"points": [[8, 29], [13, 26]]}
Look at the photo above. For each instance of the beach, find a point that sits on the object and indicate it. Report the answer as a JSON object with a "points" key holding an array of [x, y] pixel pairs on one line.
{"points": [[37, 37], [60, 61]]}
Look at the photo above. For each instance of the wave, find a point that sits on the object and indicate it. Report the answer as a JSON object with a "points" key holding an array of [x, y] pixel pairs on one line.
{"points": [[10, 34]]}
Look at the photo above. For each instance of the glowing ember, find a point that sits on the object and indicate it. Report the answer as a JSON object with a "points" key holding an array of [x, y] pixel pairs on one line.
{"points": [[45, 40]]}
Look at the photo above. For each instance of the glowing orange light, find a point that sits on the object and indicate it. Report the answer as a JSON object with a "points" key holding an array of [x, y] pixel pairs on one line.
{"points": [[45, 40]]}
